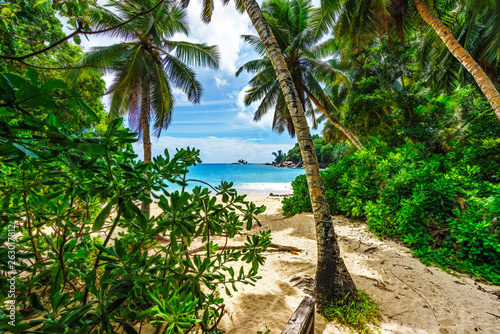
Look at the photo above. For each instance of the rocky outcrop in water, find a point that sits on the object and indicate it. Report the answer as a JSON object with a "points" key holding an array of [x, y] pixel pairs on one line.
{"points": [[300, 164]]}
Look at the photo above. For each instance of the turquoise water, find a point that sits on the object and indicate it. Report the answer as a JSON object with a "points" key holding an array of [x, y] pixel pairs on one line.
{"points": [[248, 179]]}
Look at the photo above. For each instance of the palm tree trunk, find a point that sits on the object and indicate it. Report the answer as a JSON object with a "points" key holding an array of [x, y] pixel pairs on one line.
{"points": [[333, 281], [484, 82], [334, 121], [146, 137]]}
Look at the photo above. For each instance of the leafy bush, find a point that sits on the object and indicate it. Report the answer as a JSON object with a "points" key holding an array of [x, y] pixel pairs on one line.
{"points": [[444, 206], [84, 258], [357, 311]]}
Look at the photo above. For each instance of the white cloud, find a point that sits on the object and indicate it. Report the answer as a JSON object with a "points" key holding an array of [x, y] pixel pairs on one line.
{"points": [[219, 82], [218, 149], [245, 116], [241, 98], [225, 30], [180, 96]]}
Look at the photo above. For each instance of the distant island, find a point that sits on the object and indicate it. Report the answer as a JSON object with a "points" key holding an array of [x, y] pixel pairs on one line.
{"points": [[241, 162]]}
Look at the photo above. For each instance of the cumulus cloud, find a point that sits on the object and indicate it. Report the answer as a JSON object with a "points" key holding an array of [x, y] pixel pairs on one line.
{"points": [[241, 98], [245, 116], [219, 82], [225, 30]]}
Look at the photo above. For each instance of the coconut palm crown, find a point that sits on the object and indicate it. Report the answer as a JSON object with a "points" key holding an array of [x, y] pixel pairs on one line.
{"points": [[148, 63], [290, 21]]}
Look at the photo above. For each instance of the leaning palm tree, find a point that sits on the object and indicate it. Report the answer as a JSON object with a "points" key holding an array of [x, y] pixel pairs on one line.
{"points": [[333, 281], [476, 25], [148, 63], [362, 19], [290, 21]]}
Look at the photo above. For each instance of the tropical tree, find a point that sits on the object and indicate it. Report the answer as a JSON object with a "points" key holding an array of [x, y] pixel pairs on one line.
{"points": [[360, 20], [147, 63], [476, 26], [279, 156], [333, 281], [290, 21]]}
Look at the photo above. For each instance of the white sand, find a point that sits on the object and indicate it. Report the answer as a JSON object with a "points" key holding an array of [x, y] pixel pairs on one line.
{"points": [[413, 298]]}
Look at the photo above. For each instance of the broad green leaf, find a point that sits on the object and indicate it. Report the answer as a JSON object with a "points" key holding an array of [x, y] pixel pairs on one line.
{"points": [[36, 303], [128, 328], [26, 151], [101, 218], [4, 112], [32, 75]]}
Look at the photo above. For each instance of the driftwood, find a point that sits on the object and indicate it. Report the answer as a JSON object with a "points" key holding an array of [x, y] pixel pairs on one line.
{"points": [[302, 321], [277, 248]]}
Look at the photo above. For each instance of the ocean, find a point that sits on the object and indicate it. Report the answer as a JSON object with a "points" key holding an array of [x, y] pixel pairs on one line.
{"points": [[247, 179]]}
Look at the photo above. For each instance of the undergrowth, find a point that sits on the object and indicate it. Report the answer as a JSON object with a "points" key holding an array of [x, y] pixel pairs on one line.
{"points": [[446, 207], [358, 312]]}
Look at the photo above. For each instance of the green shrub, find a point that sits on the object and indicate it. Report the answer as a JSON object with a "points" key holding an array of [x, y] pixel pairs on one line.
{"points": [[444, 206], [80, 256], [356, 312]]}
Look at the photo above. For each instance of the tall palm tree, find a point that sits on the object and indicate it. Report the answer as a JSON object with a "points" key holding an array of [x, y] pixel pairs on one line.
{"points": [[290, 21], [362, 19], [148, 63], [333, 281]]}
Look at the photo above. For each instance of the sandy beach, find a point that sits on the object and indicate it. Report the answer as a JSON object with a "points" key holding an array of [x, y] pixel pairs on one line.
{"points": [[413, 298]]}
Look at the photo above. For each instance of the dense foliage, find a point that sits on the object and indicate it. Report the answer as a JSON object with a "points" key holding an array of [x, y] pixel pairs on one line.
{"points": [[86, 258], [29, 31], [80, 256], [327, 152], [444, 206]]}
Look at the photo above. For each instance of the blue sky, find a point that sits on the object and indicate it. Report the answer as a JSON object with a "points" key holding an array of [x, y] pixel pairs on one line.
{"points": [[221, 126]]}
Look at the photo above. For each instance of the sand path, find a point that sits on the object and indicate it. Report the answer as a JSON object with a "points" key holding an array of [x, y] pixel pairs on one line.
{"points": [[413, 298]]}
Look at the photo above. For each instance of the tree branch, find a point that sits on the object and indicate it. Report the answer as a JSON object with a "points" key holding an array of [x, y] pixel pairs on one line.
{"points": [[80, 31], [56, 68]]}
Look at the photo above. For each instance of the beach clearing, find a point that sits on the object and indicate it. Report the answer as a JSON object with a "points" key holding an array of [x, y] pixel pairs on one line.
{"points": [[413, 298]]}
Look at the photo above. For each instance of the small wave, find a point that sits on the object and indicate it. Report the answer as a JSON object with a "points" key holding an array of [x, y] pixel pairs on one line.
{"points": [[279, 188]]}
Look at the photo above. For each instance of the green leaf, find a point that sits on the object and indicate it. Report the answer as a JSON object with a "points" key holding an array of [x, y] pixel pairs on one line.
{"points": [[4, 112], [87, 109], [54, 84], [127, 327], [36, 302], [77, 40], [101, 218], [26, 151], [52, 327], [89, 148], [40, 2], [32, 75]]}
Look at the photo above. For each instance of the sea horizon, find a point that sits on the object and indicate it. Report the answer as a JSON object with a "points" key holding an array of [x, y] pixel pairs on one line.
{"points": [[252, 178]]}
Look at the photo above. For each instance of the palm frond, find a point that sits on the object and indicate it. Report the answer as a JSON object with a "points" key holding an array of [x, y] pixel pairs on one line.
{"points": [[108, 59], [253, 66], [194, 54], [323, 18], [256, 43], [207, 10], [183, 77], [268, 102], [162, 100]]}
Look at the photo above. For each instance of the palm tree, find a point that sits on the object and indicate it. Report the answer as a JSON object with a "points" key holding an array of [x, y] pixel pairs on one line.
{"points": [[147, 63], [333, 281], [362, 19], [476, 26], [279, 156], [290, 21]]}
